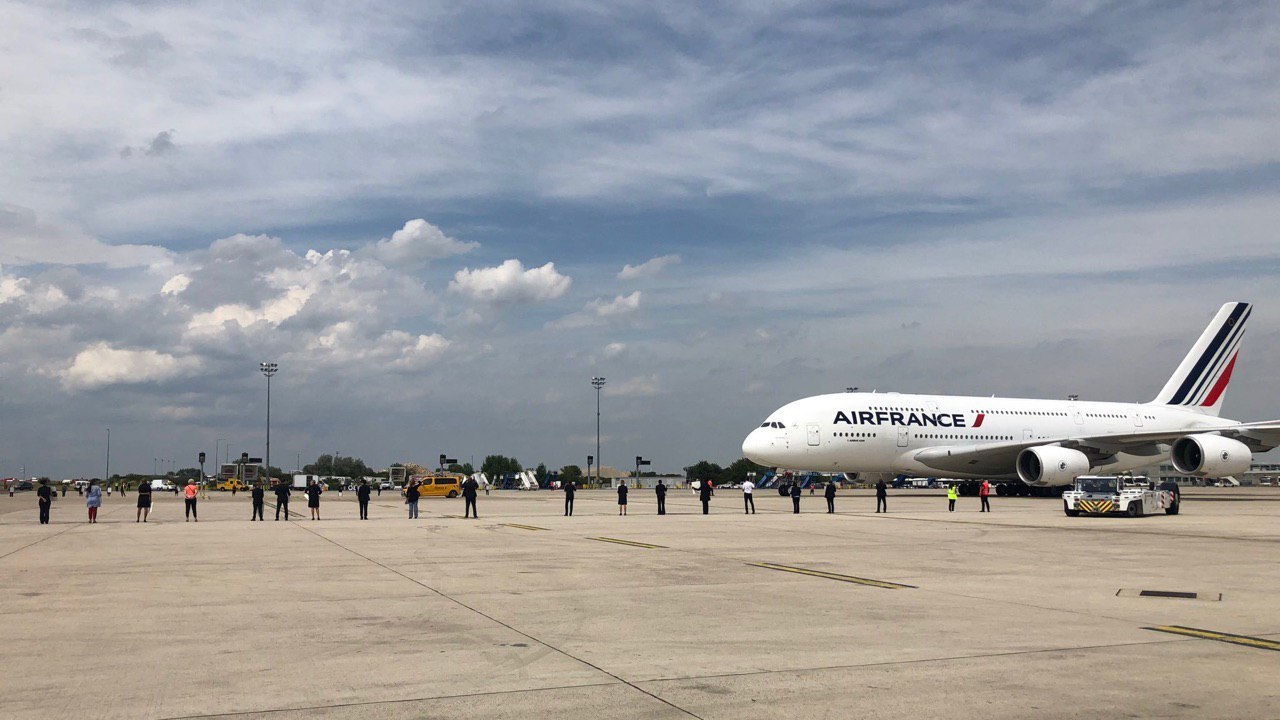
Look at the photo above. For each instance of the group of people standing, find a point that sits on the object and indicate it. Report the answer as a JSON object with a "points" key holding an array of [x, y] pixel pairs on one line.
{"points": [[313, 491]]}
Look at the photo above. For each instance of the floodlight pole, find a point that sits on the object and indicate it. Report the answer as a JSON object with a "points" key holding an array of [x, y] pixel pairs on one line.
{"points": [[597, 383], [268, 369]]}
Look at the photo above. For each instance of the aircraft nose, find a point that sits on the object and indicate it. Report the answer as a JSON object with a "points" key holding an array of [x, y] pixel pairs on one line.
{"points": [[756, 447]]}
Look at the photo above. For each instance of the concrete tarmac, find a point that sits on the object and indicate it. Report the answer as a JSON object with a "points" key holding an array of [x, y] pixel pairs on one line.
{"points": [[525, 613]]}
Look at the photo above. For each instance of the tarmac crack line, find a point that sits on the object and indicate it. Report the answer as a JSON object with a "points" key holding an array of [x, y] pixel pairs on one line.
{"points": [[508, 626], [370, 703], [945, 658], [37, 542]]}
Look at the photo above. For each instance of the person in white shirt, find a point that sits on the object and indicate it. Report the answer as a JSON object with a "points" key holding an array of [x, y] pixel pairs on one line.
{"points": [[748, 499]]}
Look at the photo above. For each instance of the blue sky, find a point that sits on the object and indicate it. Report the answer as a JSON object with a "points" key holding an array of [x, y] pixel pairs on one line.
{"points": [[424, 214]]}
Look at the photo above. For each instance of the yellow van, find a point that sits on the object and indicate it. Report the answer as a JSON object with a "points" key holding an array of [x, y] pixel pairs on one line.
{"points": [[231, 484], [446, 484]]}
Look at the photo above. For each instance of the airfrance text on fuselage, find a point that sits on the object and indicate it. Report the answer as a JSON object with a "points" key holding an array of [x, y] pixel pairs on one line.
{"points": [[890, 417]]}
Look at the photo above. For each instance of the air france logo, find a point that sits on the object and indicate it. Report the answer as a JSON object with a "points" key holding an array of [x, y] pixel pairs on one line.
{"points": [[887, 417]]}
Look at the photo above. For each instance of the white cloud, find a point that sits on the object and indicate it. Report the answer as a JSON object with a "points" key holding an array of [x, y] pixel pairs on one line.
{"points": [[614, 349], [640, 386], [599, 310], [510, 282], [649, 268], [100, 364], [25, 239], [419, 242], [345, 343], [175, 285]]}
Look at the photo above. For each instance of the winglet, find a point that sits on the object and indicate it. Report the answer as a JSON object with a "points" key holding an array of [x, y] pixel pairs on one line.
{"points": [[1200, 381]]}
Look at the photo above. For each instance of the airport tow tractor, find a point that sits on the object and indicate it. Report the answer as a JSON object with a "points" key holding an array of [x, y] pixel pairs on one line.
{"points": [[1123, 494]]}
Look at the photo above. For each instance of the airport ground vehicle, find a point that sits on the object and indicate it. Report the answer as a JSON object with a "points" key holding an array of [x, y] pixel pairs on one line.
{"points": [[438, 484], [230, 484], [1124, 494]]}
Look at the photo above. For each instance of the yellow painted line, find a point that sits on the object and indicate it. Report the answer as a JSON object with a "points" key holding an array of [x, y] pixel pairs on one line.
{"points": [[1244, 640], [632, 543], [833, 576], [523, 527]]}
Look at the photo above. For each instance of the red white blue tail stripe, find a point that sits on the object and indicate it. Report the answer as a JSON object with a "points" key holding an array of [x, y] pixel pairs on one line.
{"points": [[1201, 379]]}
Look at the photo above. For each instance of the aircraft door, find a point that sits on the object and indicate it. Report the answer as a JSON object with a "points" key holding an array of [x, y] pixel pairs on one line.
{"points": [[815, 436], [1076, 415], [903, 436], [1028, 434], [1137, 418]]}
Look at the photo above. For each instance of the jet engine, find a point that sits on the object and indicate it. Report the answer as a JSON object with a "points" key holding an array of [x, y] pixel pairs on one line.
{"points": [[1210, 456], [1049, 465]]}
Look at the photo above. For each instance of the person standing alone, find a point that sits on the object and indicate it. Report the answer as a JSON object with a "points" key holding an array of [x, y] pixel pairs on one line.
{"points": [[144, 501], [93, 500], [569, 489], [189, 492], [661, 491], [622, 498], [44, 495], [748, 497], [704, 494], [953, 494], [259, 502], [830, 494], [984, 490], [314, 490], [882, 496], [411, 495], [469, 489], [362, 497], [795, 498], [282, 499]]}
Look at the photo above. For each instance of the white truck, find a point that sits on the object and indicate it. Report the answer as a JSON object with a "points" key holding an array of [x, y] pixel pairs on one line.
{"points": [[1134, 496]]}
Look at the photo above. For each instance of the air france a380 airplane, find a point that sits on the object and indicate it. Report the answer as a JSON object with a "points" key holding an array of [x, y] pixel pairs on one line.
{"points": [[1042, 442]]}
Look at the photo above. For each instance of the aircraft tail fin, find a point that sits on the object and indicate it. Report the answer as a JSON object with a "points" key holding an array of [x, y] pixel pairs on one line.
{"points": [[1201, 380]]}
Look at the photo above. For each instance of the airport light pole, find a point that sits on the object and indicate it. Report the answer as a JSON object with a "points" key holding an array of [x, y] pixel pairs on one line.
{"points": [[597, 383], [268, 369], [107, 477]]}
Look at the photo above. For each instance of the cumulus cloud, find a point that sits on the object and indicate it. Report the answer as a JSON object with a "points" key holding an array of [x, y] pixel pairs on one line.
{"points": [[26, 239], [345, 343], [510, 282], [419, 242], [101, 364], [175, 285], [601, 310], [649, 268], [639, 386]]}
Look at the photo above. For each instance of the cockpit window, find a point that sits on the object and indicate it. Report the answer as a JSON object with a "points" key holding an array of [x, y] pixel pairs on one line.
{"points": [[766, 424]]}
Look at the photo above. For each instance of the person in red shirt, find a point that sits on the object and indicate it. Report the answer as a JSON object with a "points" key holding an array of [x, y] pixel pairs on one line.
{"points": [[983, 491], [189, 492]]}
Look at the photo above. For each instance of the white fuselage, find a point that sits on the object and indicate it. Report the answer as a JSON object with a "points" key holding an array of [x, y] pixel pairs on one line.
{"points": [[881, 432]]}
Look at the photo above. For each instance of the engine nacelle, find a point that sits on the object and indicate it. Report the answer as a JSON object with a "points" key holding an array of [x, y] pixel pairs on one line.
{"points": [[1210, 456], [1049, 465]]}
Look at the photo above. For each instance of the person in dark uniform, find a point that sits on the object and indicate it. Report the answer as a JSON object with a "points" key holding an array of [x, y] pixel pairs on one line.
{"points": [[830, 494], [314, 490], [622, 498], [795, 498], [882, 497], [469, 489], [259, 502], [704, 494], [362, 497], [282, 499], [569, 489], [45, 495], [661, 491], [144, 501]]}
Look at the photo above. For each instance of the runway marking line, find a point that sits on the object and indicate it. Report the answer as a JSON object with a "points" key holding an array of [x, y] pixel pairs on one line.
{"points": [[523, 527], [1245, 640], [833, 576], [632, 543]]}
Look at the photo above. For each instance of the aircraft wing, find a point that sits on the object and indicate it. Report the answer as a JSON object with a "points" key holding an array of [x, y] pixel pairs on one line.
{"points": [[999, 459]]}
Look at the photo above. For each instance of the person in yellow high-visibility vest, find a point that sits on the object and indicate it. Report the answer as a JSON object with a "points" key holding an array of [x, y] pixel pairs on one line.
{"points": [[953, 494]]}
